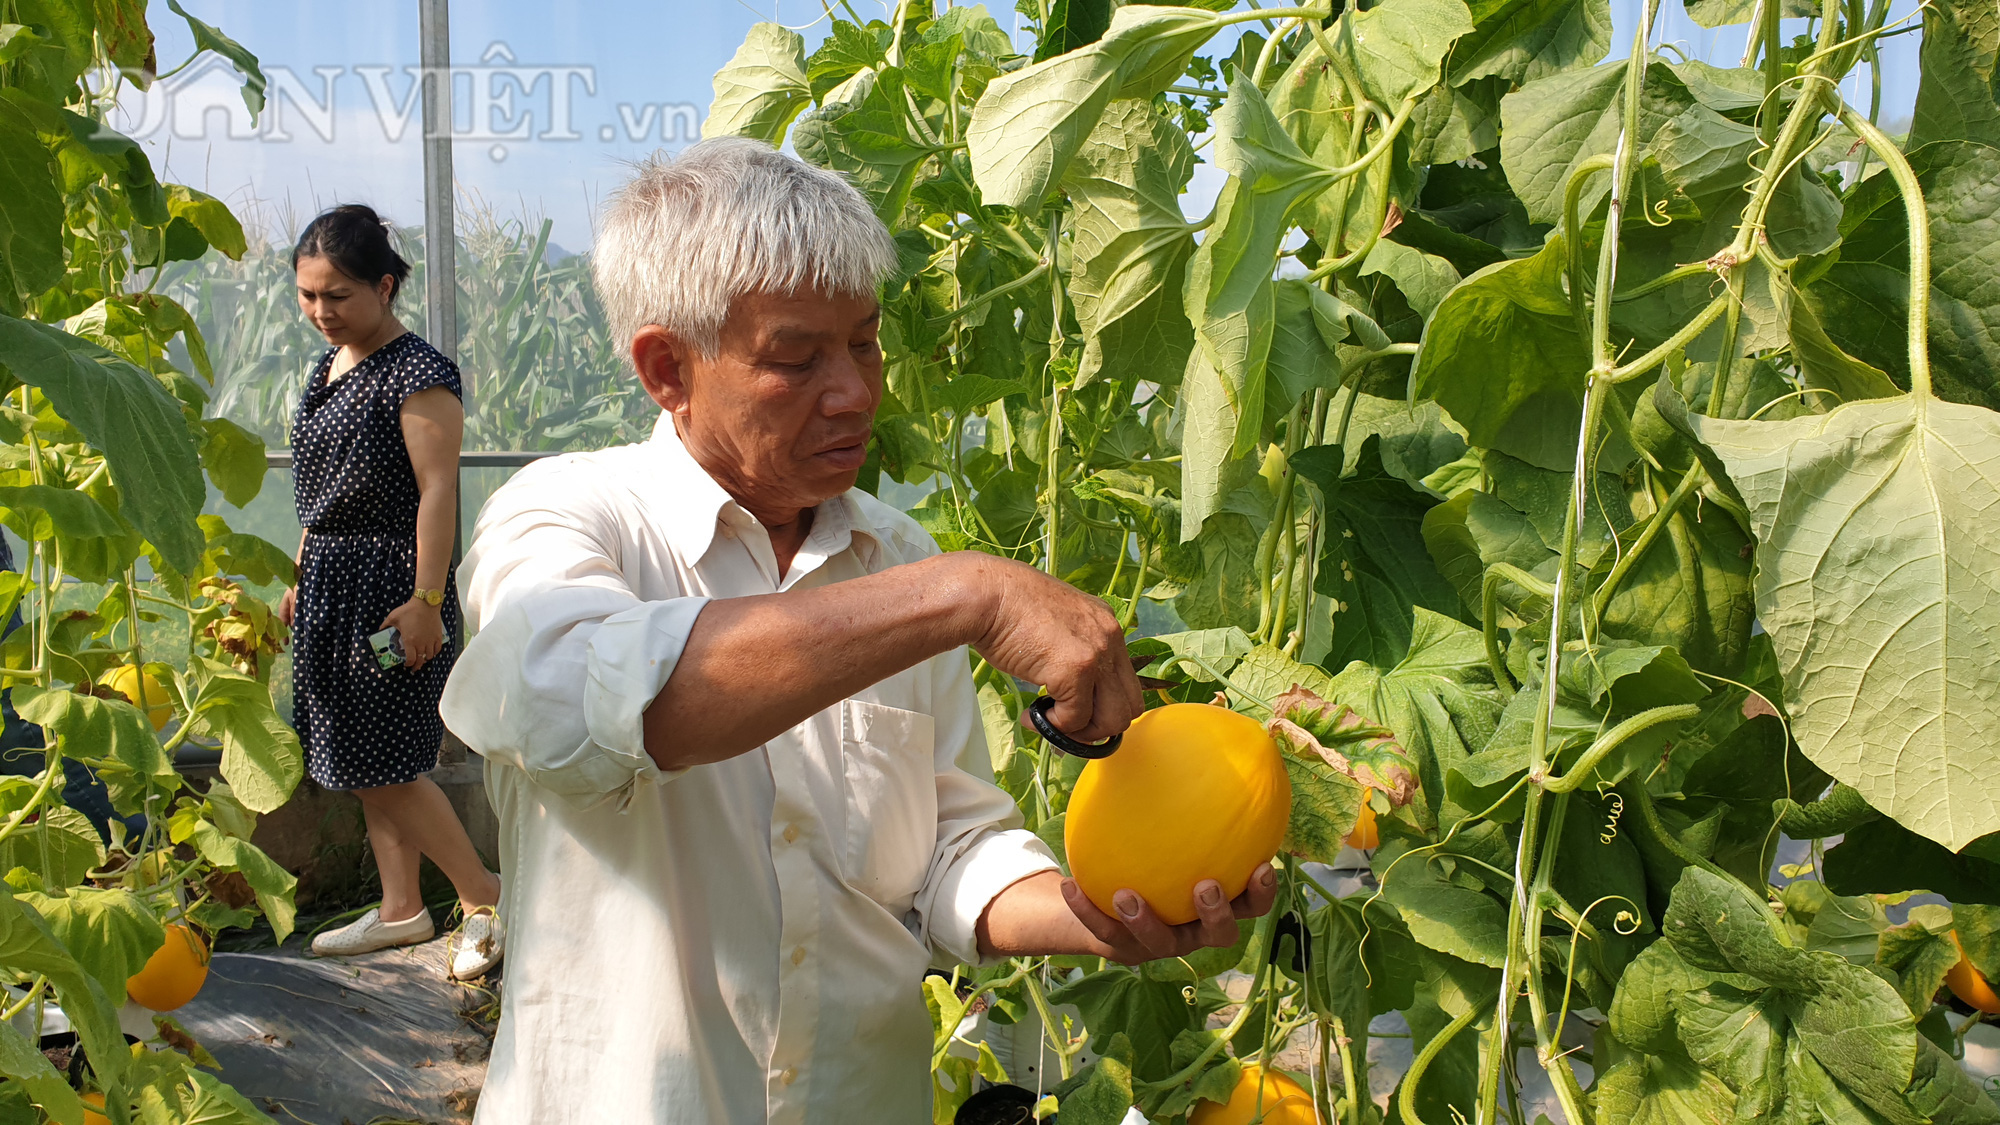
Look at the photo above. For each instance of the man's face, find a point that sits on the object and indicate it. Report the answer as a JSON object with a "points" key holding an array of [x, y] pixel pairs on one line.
{"points": [[781, 415]]}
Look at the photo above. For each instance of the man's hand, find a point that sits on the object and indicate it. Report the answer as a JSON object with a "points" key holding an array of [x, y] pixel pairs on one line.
{"points": [[1137, 934], [1050, 633], [771, 651], [1048, 914]]}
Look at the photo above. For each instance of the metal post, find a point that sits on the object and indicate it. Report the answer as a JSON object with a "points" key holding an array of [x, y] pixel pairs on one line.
{"points": [[440, 232], [440, 235]]}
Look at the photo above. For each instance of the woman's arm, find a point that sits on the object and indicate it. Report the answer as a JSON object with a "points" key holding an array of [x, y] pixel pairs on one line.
{"points": [[288, 603], [433, 427]]}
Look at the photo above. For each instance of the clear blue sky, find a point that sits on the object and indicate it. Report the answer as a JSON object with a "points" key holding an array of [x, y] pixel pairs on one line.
{"points": [[635, 75]]}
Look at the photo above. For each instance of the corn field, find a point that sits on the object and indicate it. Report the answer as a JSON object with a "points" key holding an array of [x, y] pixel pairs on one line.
{"points": [[540, 370]]}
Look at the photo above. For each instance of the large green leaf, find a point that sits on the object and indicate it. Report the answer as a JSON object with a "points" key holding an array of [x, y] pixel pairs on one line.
{"points": [[1921, 951], [1692, 590], [208, 1101], [1149, 1012], [763, 86], [85, 726], [1130, 245], [27, 945], [130, 418], [1874, 553], [1883, 857], [261, 758], [208, 37], [847, 50], [1028, 125], [1072, 24], [1550, 127], [1224, 589], [1304, 333], [234, 458], [1423, 278], [31, 214], [272, 884], [865, 139], [1230, 297], [207, 216], [1825, 365], [1503, 357], [1440, 909], [1721, 13], [1208, 433], [1399, 44], [1325, 805], [1662, 1090], [1955, 93], [111, 933], [1375, 565], [43, 511], [1522, 40], [48, 1088], [1438, 698], [1103, 1096], [1474, 530], [62, 846]]}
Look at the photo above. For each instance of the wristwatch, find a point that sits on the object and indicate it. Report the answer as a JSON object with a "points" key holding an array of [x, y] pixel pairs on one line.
{"points": [[429, 597]]}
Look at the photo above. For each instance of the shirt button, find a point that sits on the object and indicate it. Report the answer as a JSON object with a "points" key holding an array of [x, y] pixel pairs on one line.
{"points": [[791, 833], [790, 1075], [799, 955]]}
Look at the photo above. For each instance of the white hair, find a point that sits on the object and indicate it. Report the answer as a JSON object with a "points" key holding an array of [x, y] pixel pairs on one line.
{"points": [[688, 235]]}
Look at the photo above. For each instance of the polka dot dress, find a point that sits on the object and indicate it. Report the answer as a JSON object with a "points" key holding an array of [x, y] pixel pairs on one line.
{"points": [[363, 725]]}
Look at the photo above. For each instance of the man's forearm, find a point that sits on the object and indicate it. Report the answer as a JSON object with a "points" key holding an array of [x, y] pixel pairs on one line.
{"points": [[1030, 918], [754, 667]]}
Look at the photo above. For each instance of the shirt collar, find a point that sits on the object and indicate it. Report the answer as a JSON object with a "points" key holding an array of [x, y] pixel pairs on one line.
{"points": [[694, 505]]}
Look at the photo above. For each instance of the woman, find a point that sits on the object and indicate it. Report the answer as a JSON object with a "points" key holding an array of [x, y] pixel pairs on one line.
{"points": [[375, 470]]}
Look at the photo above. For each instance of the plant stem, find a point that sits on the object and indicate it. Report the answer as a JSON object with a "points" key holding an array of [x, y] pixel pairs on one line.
{"points": [[1725, 360], [1033, 275], [1920, 248], [1065, 1050], [1614, 738], [1523, 925], [1681, 339], [1053, 520], [1490, 615], [1260, 952], [1767, 126], [1690, 481], [1573, 231], [1407, 1097]]}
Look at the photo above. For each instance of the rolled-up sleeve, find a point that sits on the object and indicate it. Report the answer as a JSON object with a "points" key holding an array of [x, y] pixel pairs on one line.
{"points": [[981, 847], [566, 658]]}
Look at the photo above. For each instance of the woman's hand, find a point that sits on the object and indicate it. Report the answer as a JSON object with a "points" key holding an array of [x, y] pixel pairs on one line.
{"points": [[422, 627], [288, 605]]}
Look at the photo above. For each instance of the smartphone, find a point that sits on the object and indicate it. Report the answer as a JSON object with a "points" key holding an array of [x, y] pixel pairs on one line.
{"points": [[388, 646]]}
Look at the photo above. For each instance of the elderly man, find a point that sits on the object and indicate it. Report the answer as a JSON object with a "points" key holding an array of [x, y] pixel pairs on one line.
{"points": [[726, 708]]}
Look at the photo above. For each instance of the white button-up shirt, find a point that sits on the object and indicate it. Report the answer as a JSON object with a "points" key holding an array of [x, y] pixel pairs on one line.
{"points": [[730, 943]]}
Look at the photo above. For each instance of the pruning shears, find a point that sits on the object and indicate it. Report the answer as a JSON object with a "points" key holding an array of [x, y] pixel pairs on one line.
{"points": [[1038, 714]]}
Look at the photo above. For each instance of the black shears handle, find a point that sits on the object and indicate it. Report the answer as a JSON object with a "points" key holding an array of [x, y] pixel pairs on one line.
{"points": [[1038, 714]]}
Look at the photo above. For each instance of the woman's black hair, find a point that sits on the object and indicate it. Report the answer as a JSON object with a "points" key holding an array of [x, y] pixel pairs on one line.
{"points": [[356, 240]]}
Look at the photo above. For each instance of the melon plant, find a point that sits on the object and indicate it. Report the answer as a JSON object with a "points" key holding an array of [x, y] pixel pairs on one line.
{"points": [[1585, 458], [127, 593]]}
